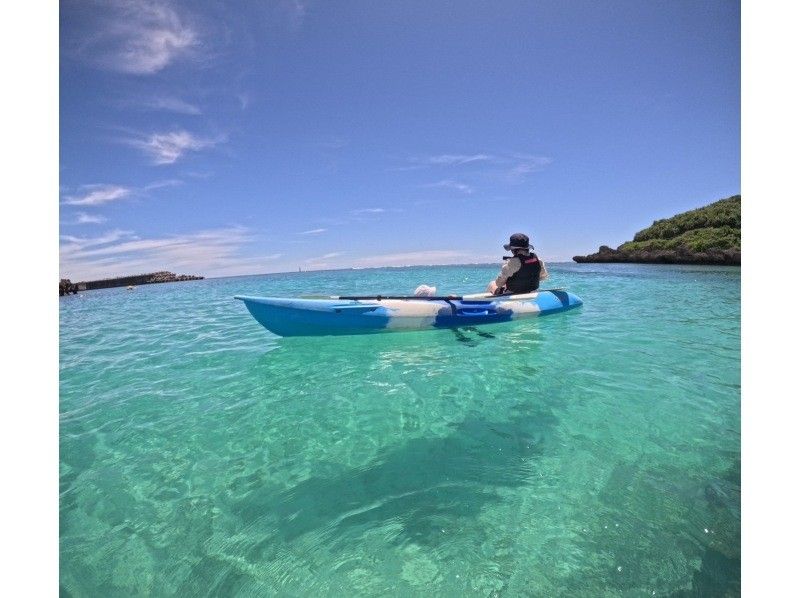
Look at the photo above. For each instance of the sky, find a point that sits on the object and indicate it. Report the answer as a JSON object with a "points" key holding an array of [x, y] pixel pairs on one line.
{"points": [[227, 138]]}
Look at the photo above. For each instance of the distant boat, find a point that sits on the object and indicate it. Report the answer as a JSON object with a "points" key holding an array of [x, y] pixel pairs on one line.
{"points": [[131, 287]]}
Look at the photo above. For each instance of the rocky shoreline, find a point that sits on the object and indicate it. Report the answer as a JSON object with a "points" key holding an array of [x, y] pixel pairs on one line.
{"points": [[711, 257], [709, 236]]}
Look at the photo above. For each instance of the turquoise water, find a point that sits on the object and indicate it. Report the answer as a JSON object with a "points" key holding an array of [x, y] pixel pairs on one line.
{"points": [[589, 453]]}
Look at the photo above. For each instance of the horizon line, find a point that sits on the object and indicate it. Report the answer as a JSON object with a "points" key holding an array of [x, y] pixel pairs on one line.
{"points": [[345, 268]]}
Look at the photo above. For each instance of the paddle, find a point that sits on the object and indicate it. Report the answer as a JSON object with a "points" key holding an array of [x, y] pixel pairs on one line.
{"points": [[379, 297], [438, 298]]}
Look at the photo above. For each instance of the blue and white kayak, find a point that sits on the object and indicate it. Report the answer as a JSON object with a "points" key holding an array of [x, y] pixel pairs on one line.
{"points": [[342, 315]]}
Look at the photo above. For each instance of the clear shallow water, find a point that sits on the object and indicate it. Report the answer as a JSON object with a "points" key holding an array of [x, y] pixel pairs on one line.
{"points": [[590, 453]]}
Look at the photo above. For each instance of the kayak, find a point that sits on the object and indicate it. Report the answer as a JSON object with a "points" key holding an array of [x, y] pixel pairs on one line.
{"points": [[367, 315]]}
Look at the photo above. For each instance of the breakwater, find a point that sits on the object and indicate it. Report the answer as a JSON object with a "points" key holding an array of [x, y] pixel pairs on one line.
{"points": [[66, 286], [124, 281], [138, 279]]}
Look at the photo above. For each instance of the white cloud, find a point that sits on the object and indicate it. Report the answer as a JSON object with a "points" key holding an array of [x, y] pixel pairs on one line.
{"points": [[139, 37], [72, 245], [366, 214], [170, 104], [198, 175], [313, 231], [508, 167], [525, 165], [413, 258], [320, 263], [446, 160], [161, 184], [83, 218], [214, 252], [295, 11], [456, 159], [167, 148], [95, 195], [450, 184]]}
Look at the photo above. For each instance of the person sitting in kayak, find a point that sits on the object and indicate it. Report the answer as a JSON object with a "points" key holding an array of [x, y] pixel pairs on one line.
{"points": [[521, 272]]}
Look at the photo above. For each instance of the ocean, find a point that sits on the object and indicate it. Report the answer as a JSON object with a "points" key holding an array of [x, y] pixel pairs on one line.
{"points": [[594, 452]]}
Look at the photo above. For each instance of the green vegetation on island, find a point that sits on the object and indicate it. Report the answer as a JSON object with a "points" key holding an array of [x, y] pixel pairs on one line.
{"points": [[707, 235]]}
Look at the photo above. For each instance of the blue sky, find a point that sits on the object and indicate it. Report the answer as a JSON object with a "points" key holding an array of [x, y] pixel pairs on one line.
{"points": [[246, 137]]}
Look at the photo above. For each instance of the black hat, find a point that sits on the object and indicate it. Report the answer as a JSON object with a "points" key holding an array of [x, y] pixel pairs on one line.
{"points": [[517, 241]]}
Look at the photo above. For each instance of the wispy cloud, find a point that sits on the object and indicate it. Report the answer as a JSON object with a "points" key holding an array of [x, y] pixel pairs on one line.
{"points": [[455, 159], [71, 245], [525, 165], [84, 218], [170, 104], [359, 213], [509, 167], [168, 148], [320, 262], [313, 231], [439, 160], [295, 11], [100, 194], [139, 37], [213, 252], [334, 143], [450, 184], [413, 258], [161, 184], [244, 99], [95, 195], [197, 175]]}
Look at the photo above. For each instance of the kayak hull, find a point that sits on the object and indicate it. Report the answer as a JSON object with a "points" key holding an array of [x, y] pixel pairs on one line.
{"points": [[329, 317]]}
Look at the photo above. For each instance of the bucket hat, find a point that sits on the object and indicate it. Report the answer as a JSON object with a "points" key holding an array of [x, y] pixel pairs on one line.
{"points": [[517, 241]]}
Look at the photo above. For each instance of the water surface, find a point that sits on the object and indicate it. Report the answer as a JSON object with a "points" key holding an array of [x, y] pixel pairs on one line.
{"points": [[589, 453]]}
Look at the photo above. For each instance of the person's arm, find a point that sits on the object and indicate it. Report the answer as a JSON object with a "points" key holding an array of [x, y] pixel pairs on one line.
{"points": [[510, 267]]}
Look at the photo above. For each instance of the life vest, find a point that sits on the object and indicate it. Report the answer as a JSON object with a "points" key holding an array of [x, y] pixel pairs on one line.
{"points": [[526, 279]]}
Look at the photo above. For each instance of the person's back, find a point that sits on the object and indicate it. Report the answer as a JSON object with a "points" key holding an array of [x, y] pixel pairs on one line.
{"points": [[526, 278], [521, 272]]}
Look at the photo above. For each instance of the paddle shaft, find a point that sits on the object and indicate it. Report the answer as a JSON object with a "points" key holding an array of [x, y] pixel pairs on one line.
{"points": [[379, 297], [438, 298]]}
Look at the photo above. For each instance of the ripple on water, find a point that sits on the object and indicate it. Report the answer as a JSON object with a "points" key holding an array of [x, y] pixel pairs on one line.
{"points": [[584, 454]]}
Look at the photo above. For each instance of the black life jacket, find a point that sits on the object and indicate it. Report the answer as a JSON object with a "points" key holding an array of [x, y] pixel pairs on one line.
{"points": [[526, 279]]}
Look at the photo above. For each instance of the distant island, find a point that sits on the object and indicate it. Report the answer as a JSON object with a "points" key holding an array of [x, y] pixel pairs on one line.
{"points": [[65, 286], [710, 235]]}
